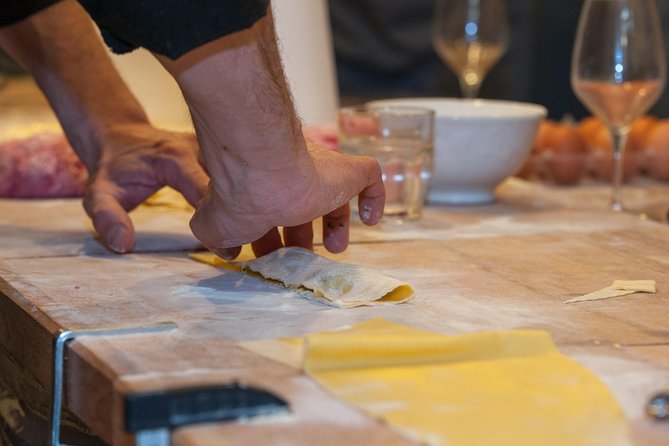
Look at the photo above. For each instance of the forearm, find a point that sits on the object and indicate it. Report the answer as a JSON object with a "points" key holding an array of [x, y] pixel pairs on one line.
{"points": [[60, 48]]}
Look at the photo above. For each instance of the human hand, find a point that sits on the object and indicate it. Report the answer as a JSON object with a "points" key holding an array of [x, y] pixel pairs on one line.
{"points": [[127, 159], [321, 184], [263, 174], [136, 160]]}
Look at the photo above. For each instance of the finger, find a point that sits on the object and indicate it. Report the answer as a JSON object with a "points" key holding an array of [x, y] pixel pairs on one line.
{"points": [[206, 226], [372, 198], [227, 253], [355, 175], [188, 177], [301, 235], [335, 229], [212, 224], [110, 219], [269, 242]]}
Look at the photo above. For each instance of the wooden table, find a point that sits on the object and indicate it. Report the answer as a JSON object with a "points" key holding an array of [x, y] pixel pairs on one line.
{"points": [[502, 266]]}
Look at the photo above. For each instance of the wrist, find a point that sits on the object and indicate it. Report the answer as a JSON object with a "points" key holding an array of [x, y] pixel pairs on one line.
{"points": [[239, 99]]}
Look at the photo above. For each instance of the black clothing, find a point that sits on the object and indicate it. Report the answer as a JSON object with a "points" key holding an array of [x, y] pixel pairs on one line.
{"points": [[167, 27], [171, 27], [13, 11]]}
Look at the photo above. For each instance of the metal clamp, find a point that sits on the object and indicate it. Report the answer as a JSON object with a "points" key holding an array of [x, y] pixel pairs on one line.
{"points": [[59, 363]]}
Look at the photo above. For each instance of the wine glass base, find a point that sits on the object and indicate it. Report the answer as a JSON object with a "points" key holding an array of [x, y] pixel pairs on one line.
{"points": [[617, 207]]}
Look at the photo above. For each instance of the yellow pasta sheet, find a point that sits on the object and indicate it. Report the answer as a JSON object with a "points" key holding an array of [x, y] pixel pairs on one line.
{"points": [[168, 198], [495, 388]]}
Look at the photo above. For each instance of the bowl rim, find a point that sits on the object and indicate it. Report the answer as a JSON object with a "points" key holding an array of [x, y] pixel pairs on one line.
{"points": [[399, 110], [512, 109]]}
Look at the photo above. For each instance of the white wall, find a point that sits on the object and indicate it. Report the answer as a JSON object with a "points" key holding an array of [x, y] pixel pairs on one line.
{"points": [[305, 37], [155, 89]]}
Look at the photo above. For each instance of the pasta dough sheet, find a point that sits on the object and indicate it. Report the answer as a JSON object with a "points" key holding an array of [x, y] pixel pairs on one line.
{"points": [[169, 198], [338, 284], [616, 289], [504, 388]]}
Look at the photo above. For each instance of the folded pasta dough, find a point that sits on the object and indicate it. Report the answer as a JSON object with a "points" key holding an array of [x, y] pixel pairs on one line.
{"points": [[341, 285]]}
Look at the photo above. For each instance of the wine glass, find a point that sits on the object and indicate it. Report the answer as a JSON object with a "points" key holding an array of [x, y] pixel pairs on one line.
{"points": [[618, 68], [470, 36]]}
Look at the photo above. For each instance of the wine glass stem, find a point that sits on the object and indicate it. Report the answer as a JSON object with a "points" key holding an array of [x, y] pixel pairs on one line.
{"points": [[470, 90], [619, 138]]}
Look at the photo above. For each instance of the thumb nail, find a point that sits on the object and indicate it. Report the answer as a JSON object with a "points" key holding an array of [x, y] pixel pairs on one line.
{"points": [[117, 239]]}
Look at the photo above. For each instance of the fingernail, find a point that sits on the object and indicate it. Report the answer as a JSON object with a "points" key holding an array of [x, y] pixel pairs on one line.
{"points": [[365, 213], [225, 254], [117, 239], [335, 244]]}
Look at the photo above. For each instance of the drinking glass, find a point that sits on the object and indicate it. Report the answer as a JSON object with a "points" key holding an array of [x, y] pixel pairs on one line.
{"points": [[470, 36], [401, 139], [618, 69]]}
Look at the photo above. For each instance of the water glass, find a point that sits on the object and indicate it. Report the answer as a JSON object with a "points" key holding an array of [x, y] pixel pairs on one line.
{"points": [[401, 139]]}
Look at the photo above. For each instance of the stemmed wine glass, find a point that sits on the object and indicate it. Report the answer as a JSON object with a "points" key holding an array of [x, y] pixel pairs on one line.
{"points": [[618, 68], [470, 36]]}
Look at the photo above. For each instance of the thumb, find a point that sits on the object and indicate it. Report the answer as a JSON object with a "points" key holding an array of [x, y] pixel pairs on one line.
{"points": [[366, 180], [110, 219], [190, 179]]}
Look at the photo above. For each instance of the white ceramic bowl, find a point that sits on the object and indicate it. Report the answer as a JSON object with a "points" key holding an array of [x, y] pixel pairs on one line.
{"points": [[478, 143]]}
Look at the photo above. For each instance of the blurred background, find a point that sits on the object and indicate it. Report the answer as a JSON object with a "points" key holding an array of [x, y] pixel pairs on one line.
{"points": [[384, 49], [359, 50]]}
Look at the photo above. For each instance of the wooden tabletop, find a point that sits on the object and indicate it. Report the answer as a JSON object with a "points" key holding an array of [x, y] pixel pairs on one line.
{"points": [[506, 265]]}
